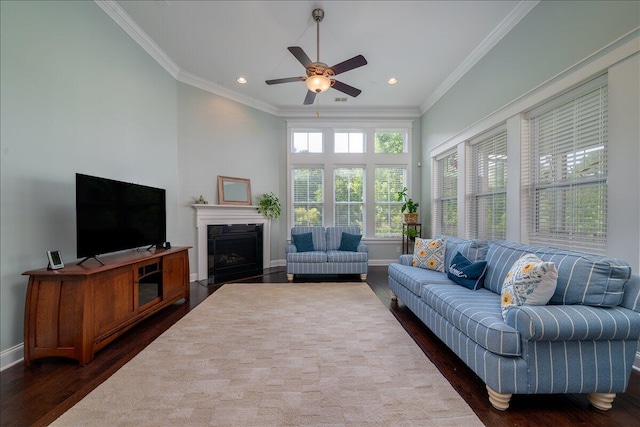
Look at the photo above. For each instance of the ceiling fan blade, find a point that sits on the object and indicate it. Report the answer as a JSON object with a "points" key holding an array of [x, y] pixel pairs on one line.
{"points": [[345, 88], [300, 55], [285, 80], [349, 64], [311, 96]]}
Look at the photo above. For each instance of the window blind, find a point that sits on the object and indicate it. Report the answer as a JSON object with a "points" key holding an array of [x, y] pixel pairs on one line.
{"points": [[388, 216], [568, 173], [349, 197], [307, 198], [487, 195], [446, 195]]}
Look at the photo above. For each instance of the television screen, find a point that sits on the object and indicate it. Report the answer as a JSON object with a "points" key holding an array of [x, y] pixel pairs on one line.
{"points": [[113, 215]]}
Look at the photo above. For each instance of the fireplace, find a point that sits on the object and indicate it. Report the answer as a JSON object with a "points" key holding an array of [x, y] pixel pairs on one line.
{"points": [[234, 251], [223, 215]]}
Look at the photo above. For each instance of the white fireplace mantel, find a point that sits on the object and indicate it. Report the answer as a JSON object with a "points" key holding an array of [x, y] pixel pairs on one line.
{"points": [[229, 214]]}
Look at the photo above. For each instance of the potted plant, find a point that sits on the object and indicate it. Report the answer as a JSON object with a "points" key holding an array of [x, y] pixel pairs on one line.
{"points": [[409, 207], [269, 206]]}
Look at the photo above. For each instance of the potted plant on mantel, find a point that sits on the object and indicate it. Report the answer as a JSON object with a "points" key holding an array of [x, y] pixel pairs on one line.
{"points": [[409, 207], [269, 206]]}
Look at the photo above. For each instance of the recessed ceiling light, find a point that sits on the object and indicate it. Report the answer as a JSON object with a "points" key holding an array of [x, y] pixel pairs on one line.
{"points": [[392, 81], [241, 80]]}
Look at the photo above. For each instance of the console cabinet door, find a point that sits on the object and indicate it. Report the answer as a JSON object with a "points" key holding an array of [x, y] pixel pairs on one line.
{"points": [[113, 299], [175, 277]]}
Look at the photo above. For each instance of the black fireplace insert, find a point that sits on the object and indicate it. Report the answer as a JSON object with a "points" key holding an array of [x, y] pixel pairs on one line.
{"points": [[234, 251]]}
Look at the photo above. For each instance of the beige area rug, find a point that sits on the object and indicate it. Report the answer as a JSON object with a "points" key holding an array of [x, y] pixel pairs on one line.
{"points": [[308, 354]]}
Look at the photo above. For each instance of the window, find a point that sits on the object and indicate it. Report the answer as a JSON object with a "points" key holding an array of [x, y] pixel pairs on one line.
{"points": [[348, 173], [391, 142], [307, 142], [349, 142], [446, 195], [349, 197], [568, 175], [308, 190], [488, 179], [388, 216]]}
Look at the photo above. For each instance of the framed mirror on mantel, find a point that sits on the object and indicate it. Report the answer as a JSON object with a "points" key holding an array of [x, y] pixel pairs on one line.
{"points": [[234, 191]]}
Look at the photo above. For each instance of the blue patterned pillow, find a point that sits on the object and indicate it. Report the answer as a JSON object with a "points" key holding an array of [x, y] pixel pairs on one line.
{"points": [[349, 242], [303, 242], [466, 273], [530, 281]]}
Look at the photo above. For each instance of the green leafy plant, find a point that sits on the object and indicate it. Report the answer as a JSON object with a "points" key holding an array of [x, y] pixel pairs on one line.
{"points": [[269, 206], [409, 205], [412, 233]]}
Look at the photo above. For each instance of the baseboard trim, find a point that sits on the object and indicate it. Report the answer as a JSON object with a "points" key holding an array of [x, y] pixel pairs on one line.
{"points": [[11, 356]]}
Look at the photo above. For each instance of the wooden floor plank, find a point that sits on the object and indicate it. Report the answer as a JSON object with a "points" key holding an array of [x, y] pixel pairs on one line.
{"points": [[37, 395]]}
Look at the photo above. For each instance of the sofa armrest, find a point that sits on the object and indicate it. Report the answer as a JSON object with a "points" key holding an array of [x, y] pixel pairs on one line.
{"points": [[406, 259], [631, 298], [574, 323], [362, 248], [290, 248]]}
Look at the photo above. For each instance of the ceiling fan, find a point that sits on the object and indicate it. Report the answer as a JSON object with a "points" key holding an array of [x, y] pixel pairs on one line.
{"points": [[319, 75]]}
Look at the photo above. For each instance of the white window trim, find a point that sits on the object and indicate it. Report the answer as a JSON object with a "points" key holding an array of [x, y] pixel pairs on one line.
{"points": [[330, 160]]}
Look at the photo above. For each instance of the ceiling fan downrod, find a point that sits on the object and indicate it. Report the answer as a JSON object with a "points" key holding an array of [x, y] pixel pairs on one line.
{"points": [[317, 16]]}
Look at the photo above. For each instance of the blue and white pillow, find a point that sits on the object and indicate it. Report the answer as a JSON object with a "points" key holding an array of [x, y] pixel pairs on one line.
{"points": [[530, 281]]}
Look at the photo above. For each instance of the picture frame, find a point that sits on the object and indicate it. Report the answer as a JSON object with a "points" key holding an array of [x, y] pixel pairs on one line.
{"points": [[234, 191], [55, 260]]}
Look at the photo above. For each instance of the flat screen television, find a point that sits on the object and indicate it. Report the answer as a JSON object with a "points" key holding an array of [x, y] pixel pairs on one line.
{"points": [[114, 215]]}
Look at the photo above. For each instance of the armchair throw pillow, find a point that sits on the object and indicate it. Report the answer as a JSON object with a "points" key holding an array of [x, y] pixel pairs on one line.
{"points": [[303, 242], [349, 242]]}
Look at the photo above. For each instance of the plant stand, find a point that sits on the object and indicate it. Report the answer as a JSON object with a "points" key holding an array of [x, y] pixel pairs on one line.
{"points": [[407, 240]]}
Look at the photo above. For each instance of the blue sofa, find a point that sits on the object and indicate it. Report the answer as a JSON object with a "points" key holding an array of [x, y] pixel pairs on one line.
{"points": [[325, 257], [583, 341]]}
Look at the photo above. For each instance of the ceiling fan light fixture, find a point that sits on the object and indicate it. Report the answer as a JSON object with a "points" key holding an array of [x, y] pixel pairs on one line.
{"points": [[318, 83]]}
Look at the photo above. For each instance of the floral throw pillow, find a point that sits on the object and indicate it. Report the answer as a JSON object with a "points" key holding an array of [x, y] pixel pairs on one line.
{"points": [[429, 253], [530, 281]]}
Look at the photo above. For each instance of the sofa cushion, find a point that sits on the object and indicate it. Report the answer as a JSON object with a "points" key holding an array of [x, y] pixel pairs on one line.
{"points": [[414, 278], [333, 235], [530, 281], [429, 253], [473, 250], [349, 242], [346, 256], [466, 273], [303, 242], [315, 256], [582, 278], [477, 314]]}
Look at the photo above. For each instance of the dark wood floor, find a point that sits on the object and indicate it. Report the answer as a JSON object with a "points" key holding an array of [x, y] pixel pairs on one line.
{"points": [[39, 394]]}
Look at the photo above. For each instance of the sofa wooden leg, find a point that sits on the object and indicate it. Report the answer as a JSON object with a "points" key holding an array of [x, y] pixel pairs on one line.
{"points": [[500, 401], [601, 401], [363, 277], [290, 277], [394, 297]]}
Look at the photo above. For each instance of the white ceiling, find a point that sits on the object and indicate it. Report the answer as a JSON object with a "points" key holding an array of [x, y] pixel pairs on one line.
{"points": [[426, 45]]}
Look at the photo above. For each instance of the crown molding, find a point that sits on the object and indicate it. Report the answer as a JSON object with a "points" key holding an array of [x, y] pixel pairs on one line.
{"points": [[206, 85], [125, 22], [326, 113], [507, 24]]}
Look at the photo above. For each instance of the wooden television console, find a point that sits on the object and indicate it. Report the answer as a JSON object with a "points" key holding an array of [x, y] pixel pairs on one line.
{"points": [[75, 311]]}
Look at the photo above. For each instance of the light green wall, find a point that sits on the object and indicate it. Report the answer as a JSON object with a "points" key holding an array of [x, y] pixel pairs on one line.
{"points": [[78, 95], [222, 137], [552, 37]]}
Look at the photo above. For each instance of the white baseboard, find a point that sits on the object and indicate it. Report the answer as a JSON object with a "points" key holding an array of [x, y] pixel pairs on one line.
{"points": [[11, 356]]}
